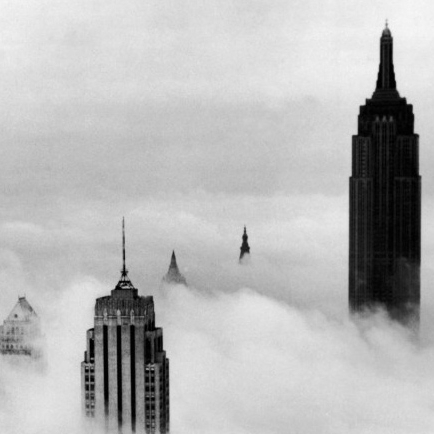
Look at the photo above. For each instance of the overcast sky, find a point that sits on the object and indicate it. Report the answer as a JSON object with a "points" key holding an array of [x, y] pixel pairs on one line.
{"points": [[192, 118]]}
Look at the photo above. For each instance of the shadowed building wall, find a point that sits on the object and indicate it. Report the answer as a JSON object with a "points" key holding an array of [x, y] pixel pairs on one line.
{"points": [[385, 201]]}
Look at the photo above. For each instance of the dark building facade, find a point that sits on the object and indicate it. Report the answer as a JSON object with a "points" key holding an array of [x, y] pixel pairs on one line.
{"points": [[385, 201], [125, 372], [173, 275], [245, 248]]}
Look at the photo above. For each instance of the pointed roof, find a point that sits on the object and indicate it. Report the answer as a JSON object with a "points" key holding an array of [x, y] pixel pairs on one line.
{"points": [[173, 275], [173, 264], [245, 248], [386, 83], [22, 311]]}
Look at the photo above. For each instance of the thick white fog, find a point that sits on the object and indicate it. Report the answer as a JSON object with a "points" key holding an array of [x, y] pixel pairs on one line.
{"points": [[241, 362], [254, 348]]}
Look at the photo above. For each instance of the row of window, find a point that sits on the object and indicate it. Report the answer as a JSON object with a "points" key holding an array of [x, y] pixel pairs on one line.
{"points": [[12, 347], [15, 330]]}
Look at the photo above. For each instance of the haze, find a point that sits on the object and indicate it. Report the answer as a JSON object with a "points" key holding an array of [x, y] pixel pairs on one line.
{"points": [[192, 119]]}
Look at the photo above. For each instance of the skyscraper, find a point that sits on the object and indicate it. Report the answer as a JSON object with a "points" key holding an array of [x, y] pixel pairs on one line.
{"points": [[173, 275], [245, 248], [125, 372], [385, 201], [20, 333]]}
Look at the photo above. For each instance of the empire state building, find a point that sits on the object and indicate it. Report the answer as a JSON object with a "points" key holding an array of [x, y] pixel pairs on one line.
{"points": [[385, 201]]}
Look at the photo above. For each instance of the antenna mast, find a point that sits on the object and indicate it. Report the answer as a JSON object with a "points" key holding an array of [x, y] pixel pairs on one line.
{"points": [[124, 269]]}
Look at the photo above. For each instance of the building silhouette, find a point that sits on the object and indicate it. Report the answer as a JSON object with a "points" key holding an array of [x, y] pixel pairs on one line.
{"points": [[173, 275], [125, 372], [20, 333], [385, 201], [245, 248]]}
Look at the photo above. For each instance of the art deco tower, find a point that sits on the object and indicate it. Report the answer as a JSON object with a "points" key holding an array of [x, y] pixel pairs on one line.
{"points": [[125, 372], [385, 201]]}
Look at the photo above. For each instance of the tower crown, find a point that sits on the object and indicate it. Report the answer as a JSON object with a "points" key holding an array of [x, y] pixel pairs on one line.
{"points": [[386, 31], [386, 83], [245, 248]]}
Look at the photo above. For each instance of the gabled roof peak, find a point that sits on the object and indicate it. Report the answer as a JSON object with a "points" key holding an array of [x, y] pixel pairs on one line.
{"points": [[22, 311]]}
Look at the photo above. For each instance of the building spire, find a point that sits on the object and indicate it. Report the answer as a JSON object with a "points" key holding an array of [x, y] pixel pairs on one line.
{"points": [[245, 248], [124, 282], [173, 263], [173, 275], [386, 83]]}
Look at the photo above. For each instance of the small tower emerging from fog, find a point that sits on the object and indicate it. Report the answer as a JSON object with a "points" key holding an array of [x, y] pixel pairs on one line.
{"points": [[125, 372], [173, 275], [245, 248], [20, 333]]}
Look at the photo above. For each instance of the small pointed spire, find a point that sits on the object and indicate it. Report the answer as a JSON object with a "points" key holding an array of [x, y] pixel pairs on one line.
{"points": [[245, 248], [173, 275], [173, 263]]}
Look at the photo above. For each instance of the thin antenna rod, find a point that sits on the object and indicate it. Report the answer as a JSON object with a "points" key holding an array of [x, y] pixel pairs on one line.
{"points": [[124, 269]]}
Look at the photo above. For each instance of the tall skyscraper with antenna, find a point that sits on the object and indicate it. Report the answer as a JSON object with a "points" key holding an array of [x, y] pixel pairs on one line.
{"points": [[125, 372], [385, 201]]}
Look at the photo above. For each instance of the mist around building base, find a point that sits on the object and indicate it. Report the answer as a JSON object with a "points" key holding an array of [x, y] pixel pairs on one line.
{"points": [[241, 362]]}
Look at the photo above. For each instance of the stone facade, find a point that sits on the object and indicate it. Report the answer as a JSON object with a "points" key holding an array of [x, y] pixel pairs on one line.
{"points": [[20, 333]]}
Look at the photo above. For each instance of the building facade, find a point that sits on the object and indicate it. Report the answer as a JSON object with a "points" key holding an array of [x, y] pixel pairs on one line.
{"points": [[125, 372], [385, 201], [20, 333]]}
